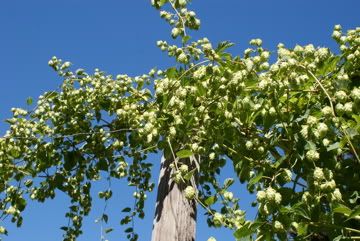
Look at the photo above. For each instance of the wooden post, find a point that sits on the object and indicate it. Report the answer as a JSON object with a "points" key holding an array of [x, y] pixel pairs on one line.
{"points": [[175, 216]]}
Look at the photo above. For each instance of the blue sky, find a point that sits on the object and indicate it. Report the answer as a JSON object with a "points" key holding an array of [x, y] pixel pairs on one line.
{"points": [[119, 37]]}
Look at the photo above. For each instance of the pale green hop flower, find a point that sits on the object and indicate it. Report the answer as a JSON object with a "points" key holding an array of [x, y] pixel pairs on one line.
{"points": [[190, 192], [249, 145], [312, 155], [261, 196], [355, 94], [212, 156], [341, 95], [348, 107], [184, 168], [182, 58], [326, 111], [218, 219], [318, 174], [228, 195], [326, 142], [322, 128], [306, 197], [278, 226], [278, 198], [337, 195], [182, 3], [311, 120], [288, 175]]}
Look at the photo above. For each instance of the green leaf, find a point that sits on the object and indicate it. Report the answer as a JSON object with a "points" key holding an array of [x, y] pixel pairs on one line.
{"points": [[352, 132], [356, 118], [29, 101], [108, 230], [355, 212], [297, 209], [310, 146], [329, 65], [228, 182], [334, 146], [222, 46], [242, 232], [171, 73], [126, 210], [162, 2], [14, 153], [302, 229], [255, 179], [188, 175], [105, 218], [64, 228], [70, 160], [338, 238], [340, 208], [128, 230], [280, 161], [21, 204], [184, 154], [210, 200], [102, 165], [247, 230], [185, 39], [159, 3]]}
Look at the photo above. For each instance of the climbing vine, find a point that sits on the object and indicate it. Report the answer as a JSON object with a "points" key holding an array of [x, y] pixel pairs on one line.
{"points": [[290, 128]]}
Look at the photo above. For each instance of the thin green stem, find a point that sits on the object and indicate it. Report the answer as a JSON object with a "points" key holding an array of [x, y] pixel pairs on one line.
{"points": [[333, 110], [181, 19]]}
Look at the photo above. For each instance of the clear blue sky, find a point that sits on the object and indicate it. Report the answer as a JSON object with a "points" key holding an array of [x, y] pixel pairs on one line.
{"points": [[119, 37]]}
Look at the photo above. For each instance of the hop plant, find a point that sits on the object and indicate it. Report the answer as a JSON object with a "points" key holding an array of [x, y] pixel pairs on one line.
{"points": [[261, 196], [218, 219], [278, 226], [182, 58], [190, 192], [336, 195], [184, 169], [312, 155], [287, 174], [249, 145], [211, 239], [318, 174], [265, 116], [228, 195]]}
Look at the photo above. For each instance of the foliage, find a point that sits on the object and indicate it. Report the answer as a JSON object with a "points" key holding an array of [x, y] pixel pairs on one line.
{"points": [[290, 129]]}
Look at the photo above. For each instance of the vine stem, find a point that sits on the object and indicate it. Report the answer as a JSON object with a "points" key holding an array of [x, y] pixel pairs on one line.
{"points": [[196, 198], [179, 16], [333, 111], [204, 206], [192, 67], [175, 159], [321, 86]]}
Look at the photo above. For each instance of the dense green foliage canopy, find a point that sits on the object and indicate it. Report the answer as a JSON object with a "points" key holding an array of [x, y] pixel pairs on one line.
{"points": [[289, 128]]}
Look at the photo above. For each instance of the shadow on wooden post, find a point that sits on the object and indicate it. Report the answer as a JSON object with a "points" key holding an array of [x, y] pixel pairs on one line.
{"points": [[175, 216]]}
